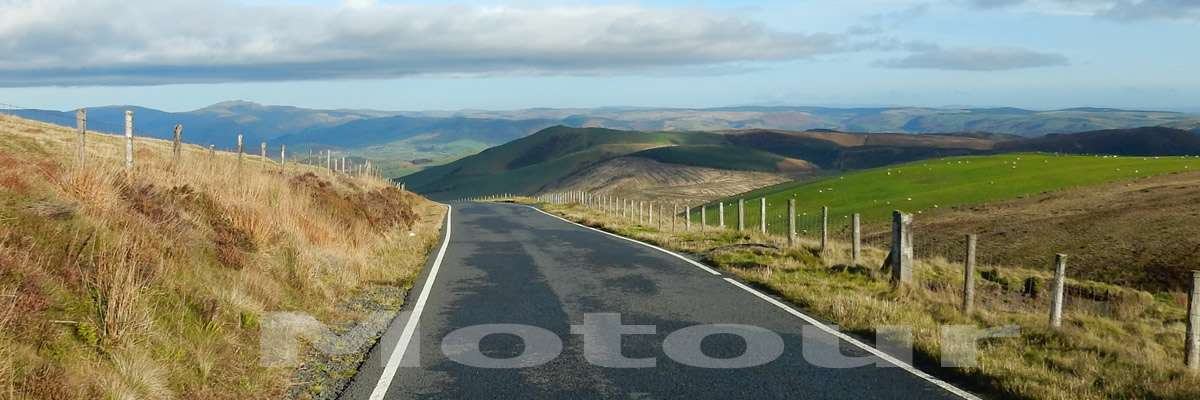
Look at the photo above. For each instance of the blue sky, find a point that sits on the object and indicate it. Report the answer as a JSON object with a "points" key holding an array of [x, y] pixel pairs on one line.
{"points": [[423, 55]]}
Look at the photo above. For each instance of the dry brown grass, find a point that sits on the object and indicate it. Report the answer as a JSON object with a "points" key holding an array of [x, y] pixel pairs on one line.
{"points": [[1116, 342], [149, 284]]}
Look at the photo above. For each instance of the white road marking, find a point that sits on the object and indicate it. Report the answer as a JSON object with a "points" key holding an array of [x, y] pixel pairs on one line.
{"points": [[849, 339], [389, 370], [813, 321], [676, 255]]}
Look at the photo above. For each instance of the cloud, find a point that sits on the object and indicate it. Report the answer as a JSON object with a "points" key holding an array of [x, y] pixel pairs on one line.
{"points": [[974, 59], [1123, 10], [146, 42]]}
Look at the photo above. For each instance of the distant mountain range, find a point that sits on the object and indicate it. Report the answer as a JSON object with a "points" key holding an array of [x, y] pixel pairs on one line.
{"points": [[406, 141], [561, 157]]}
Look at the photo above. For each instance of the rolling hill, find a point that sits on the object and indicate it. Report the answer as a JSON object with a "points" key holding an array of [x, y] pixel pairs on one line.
{"points": [[404, 142], [1003, 120], [1123, 219], [556, 158], [928, 185]]}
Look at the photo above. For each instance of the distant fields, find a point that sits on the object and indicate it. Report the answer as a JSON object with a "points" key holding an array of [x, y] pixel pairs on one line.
{"points": [[933, 185]]}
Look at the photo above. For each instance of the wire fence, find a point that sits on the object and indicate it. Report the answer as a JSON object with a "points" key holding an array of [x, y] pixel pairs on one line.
{"points": [[1004, 284]]}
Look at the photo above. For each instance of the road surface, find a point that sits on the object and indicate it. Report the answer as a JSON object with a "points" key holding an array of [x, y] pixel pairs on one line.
{"points": [[510, 264]]}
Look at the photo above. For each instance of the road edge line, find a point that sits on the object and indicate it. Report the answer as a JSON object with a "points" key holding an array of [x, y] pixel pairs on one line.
{"points": [[393, 363], [850, 339], [813, 321], [674, 254]]}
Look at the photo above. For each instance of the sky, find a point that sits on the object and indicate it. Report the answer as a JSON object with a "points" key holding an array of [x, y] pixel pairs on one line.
{"points": [[433, 55]]}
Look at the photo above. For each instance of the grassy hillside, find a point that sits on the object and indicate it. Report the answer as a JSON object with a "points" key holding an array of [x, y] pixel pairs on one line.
{"points": [[155, 284], [529, 164], [1131, 142], [640, 178], [721, 157], [926, 186], [542, 160], [1142, 233]]}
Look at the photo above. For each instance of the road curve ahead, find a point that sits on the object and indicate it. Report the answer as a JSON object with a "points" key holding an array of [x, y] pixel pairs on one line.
{"points": [[510, 264]]}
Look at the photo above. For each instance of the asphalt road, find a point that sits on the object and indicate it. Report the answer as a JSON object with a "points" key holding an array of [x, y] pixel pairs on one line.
{"points": [[509, 264]]}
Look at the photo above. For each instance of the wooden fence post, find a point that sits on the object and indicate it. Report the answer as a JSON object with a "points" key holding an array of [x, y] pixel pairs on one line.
{"points": [[674, 214], [329, 160], [762, 214], [81, 130], [128, 140], [1060, 283], [824, 229], [241, 149], [791, 216], [282, 157], [901, 257], [968, 305], [741, 214], [855, 239], [1192, 346], [650, 221], [177, 145], [262, 152], [721, 215], [703, 218], [687, 218]]}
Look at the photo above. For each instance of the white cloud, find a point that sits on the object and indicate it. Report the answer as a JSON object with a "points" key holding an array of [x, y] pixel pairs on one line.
{"points": [[1124, 10], [92, 42]]}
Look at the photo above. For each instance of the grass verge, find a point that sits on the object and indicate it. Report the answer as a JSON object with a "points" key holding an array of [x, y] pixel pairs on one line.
{"points": [[153, 282]]}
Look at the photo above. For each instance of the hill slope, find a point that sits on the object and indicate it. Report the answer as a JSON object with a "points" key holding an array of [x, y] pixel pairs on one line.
{"points": [[1150, 141], [157, 283], [1142, 233], [543, 161], [924, 186]]}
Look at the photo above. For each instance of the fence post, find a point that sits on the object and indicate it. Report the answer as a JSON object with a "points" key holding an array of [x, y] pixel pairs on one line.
{"points": [[641, 205], [969, 276], [855, 239], [1060, 282], [128, 140], [687, 218], [241, 148], [81, 129], [791, 216], [650, 220], [824, 229], [741, 214], [674, 214], [262, 152], [1193, 324], [901, 256], [762, 214], [177, 145], [721, 215], [282, 157]]}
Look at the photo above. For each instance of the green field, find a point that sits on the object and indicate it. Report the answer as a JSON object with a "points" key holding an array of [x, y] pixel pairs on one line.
{"points": [[929, 185]]}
